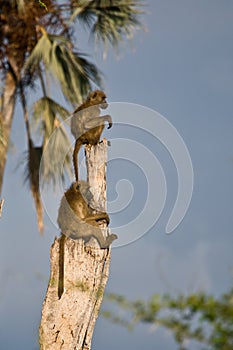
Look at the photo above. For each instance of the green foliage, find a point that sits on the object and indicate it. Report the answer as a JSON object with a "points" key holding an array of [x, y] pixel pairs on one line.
{"points": [[109, 21], [53, 164], [72, 71], [47, 116], [38, 44], [45, 113], [199, 317], [42, 4]]}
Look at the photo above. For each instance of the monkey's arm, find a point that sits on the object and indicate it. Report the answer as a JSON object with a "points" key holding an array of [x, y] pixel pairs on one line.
{"points": [[97, 121], [97, 217]]}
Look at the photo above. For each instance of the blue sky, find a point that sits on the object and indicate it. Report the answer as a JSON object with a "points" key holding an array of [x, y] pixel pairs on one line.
{"points": [[181, 67]]}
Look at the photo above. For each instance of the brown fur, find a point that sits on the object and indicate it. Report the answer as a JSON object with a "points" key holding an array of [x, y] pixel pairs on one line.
{"points": [[87, 125], [77, 219]]}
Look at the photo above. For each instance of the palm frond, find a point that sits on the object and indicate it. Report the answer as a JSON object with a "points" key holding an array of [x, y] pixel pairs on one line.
{"points": [[40, 52], [110, 21], [74, 72], [46, 113], [32, 177], [71, 69], [84, 12], [56, 160]]}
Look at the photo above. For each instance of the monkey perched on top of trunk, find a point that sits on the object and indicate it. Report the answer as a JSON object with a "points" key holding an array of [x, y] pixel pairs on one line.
{"points": [[87, 124]]}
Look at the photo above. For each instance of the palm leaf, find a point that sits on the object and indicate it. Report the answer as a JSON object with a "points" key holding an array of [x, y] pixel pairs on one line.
{"points": [[110, 21], [71, 69], [39, 53], [56, 161], [46, 113], [73, 72], [32, 177]]}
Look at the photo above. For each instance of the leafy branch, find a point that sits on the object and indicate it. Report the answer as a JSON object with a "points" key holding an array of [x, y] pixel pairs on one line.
{"points": [[199, 317]]}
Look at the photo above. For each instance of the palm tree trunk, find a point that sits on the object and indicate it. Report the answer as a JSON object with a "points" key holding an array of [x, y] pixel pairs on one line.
{"points": [[68, 319], [8, 98]]}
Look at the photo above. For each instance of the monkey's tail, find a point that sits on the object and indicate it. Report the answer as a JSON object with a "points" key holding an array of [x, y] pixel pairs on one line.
{"points": [[77, 147]]}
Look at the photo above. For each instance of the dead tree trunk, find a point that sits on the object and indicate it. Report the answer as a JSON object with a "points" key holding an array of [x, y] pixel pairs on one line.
{"points": [[68, 322]]}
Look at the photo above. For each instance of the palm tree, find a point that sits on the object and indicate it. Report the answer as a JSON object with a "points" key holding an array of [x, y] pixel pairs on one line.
{"points": [[37, 43]]}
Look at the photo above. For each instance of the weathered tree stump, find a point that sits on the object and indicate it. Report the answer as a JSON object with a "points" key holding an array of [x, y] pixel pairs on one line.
{"points": [[68, 319]]}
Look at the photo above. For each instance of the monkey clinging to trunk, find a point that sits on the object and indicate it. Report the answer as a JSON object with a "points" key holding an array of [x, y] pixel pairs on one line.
{"points": [[87, 124], [77, 219]]}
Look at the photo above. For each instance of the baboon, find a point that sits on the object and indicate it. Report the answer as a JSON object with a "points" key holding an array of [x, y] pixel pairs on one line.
{"points": [[77, 219], [87, 124]]}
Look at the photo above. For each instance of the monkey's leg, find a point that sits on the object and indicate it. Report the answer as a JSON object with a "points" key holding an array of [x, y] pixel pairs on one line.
{"points": [[96, 232], [104, 242], [110, 239], [77, 147]]}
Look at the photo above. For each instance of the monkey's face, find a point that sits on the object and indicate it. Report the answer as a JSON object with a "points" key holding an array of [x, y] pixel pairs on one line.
{"points": [[104, 103], [98, 97], [84, 188]]}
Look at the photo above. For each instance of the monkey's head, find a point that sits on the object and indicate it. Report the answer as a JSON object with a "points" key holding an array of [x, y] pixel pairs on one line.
{"points": [[98, 97], [83, 188]]}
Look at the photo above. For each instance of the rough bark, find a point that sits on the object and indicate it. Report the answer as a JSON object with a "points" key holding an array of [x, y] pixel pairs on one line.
{"points": [[68, 322], [8, 98]]}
